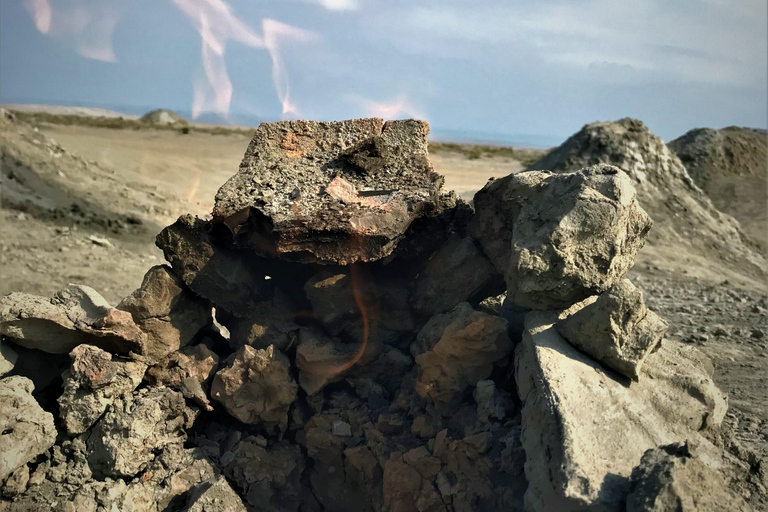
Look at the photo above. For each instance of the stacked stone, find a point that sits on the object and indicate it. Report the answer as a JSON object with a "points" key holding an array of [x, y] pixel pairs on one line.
{"points": [[330, 340]]}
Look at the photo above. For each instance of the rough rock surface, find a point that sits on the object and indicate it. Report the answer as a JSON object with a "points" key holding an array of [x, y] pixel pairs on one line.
{"points": [[672, 479], [559, 238], [614, 327], [93, 382], [256, 386], [188, 371], [134, 428], [333, 192], [468, 345], [270, 322], [214, 496], [77, 314], [234, 282], [26, 430], [8, 358], [320, 360], [682, 212], [456, 272], [166, 312], [575, 460]]}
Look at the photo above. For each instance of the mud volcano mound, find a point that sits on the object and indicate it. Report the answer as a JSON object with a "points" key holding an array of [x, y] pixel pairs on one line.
{"points": [[731, 166], [332, 339], [688, 228]]}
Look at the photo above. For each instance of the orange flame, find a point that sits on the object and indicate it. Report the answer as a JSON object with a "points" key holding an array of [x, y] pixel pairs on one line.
{"points": [[41, 13], [392, 109], [217, 24]]}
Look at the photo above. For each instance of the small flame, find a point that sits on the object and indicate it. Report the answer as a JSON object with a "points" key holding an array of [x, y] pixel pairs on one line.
{"points": [[392, 109], [41, 12], [217, 24], [193, 187]]}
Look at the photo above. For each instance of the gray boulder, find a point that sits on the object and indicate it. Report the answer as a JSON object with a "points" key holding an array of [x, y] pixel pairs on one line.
{"points": [[256, 386], [615, 328], [214, 496], [672, 479], [93, 382], [169, 315], [26, 430], [583, 431], [455, 273], [331, 192], [559, 238], [75, 315]]}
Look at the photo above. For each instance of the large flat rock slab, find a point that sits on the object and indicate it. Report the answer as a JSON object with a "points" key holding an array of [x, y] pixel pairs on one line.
{"points": [[585, 427], [333, 192]]}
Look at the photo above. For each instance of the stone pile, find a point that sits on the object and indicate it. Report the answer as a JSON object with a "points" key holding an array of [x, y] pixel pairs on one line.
{"points": [[333, 339]]}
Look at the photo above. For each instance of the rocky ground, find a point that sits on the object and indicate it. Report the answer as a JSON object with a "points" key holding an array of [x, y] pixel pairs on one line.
{"points": [[436, 416]]}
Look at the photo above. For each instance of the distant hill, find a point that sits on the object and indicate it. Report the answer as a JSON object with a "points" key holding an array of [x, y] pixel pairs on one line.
{"points": [[731, 166], [163, 116], [67, 111]]}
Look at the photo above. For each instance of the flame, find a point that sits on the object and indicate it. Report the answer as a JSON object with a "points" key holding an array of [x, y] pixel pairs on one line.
{"points": [[399, 107], [88, 26], [193, 187], [216, 24]]}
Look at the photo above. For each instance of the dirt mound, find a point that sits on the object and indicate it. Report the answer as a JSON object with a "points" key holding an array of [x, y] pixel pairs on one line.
{"points": [[163, 116], [690, 235], [731, 166]]}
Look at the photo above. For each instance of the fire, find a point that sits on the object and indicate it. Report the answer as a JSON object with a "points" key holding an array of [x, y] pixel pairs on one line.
{"points": [[393, 109], [41, 12]]}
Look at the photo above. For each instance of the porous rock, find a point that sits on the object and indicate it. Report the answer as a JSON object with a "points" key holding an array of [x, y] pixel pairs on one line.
{"points": [[331, 192], [214, 496], [187, 371], [77, 314], [231, 280], [672, 479], [133, 429], [93, 382], [26, 430], [575, 460], [560, 238], [456, 272], [268, 477], [256, 386], [614, 327], [169, 315], [468, 345]]}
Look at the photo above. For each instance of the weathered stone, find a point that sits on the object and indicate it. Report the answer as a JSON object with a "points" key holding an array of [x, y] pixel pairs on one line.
{"points": [[133, 429], [333, 192], [560, 238], [256, 387], [464, 354], [214, 496], [672, 479], [187, 371], [75, 315], [614, 327], [320, 360], [270, 322], [583, 430], [93, 382], [232, 281], [455, 273], [26, 430], [16, 483], [492, 403], [8, 358], [169, 315], [269, 478]]}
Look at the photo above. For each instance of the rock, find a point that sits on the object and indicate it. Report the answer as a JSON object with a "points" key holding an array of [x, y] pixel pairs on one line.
{"points": [[559, 238], [187, 371], [671, 479], [615, 328], [579, 458], [256, 387], [93, 382], [464, 354], [75, 315], [269, 478], [169, 315], [330, 192], [17, 482], [270, 322], [320, 360], [456, 272], [133, 429], [492, 305], [232, 281], [492, 403], [214, 496], [8, 358], [26, 430]]}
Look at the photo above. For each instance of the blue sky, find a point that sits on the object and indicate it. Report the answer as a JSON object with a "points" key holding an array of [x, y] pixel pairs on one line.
{"points": [[497, 69]]}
